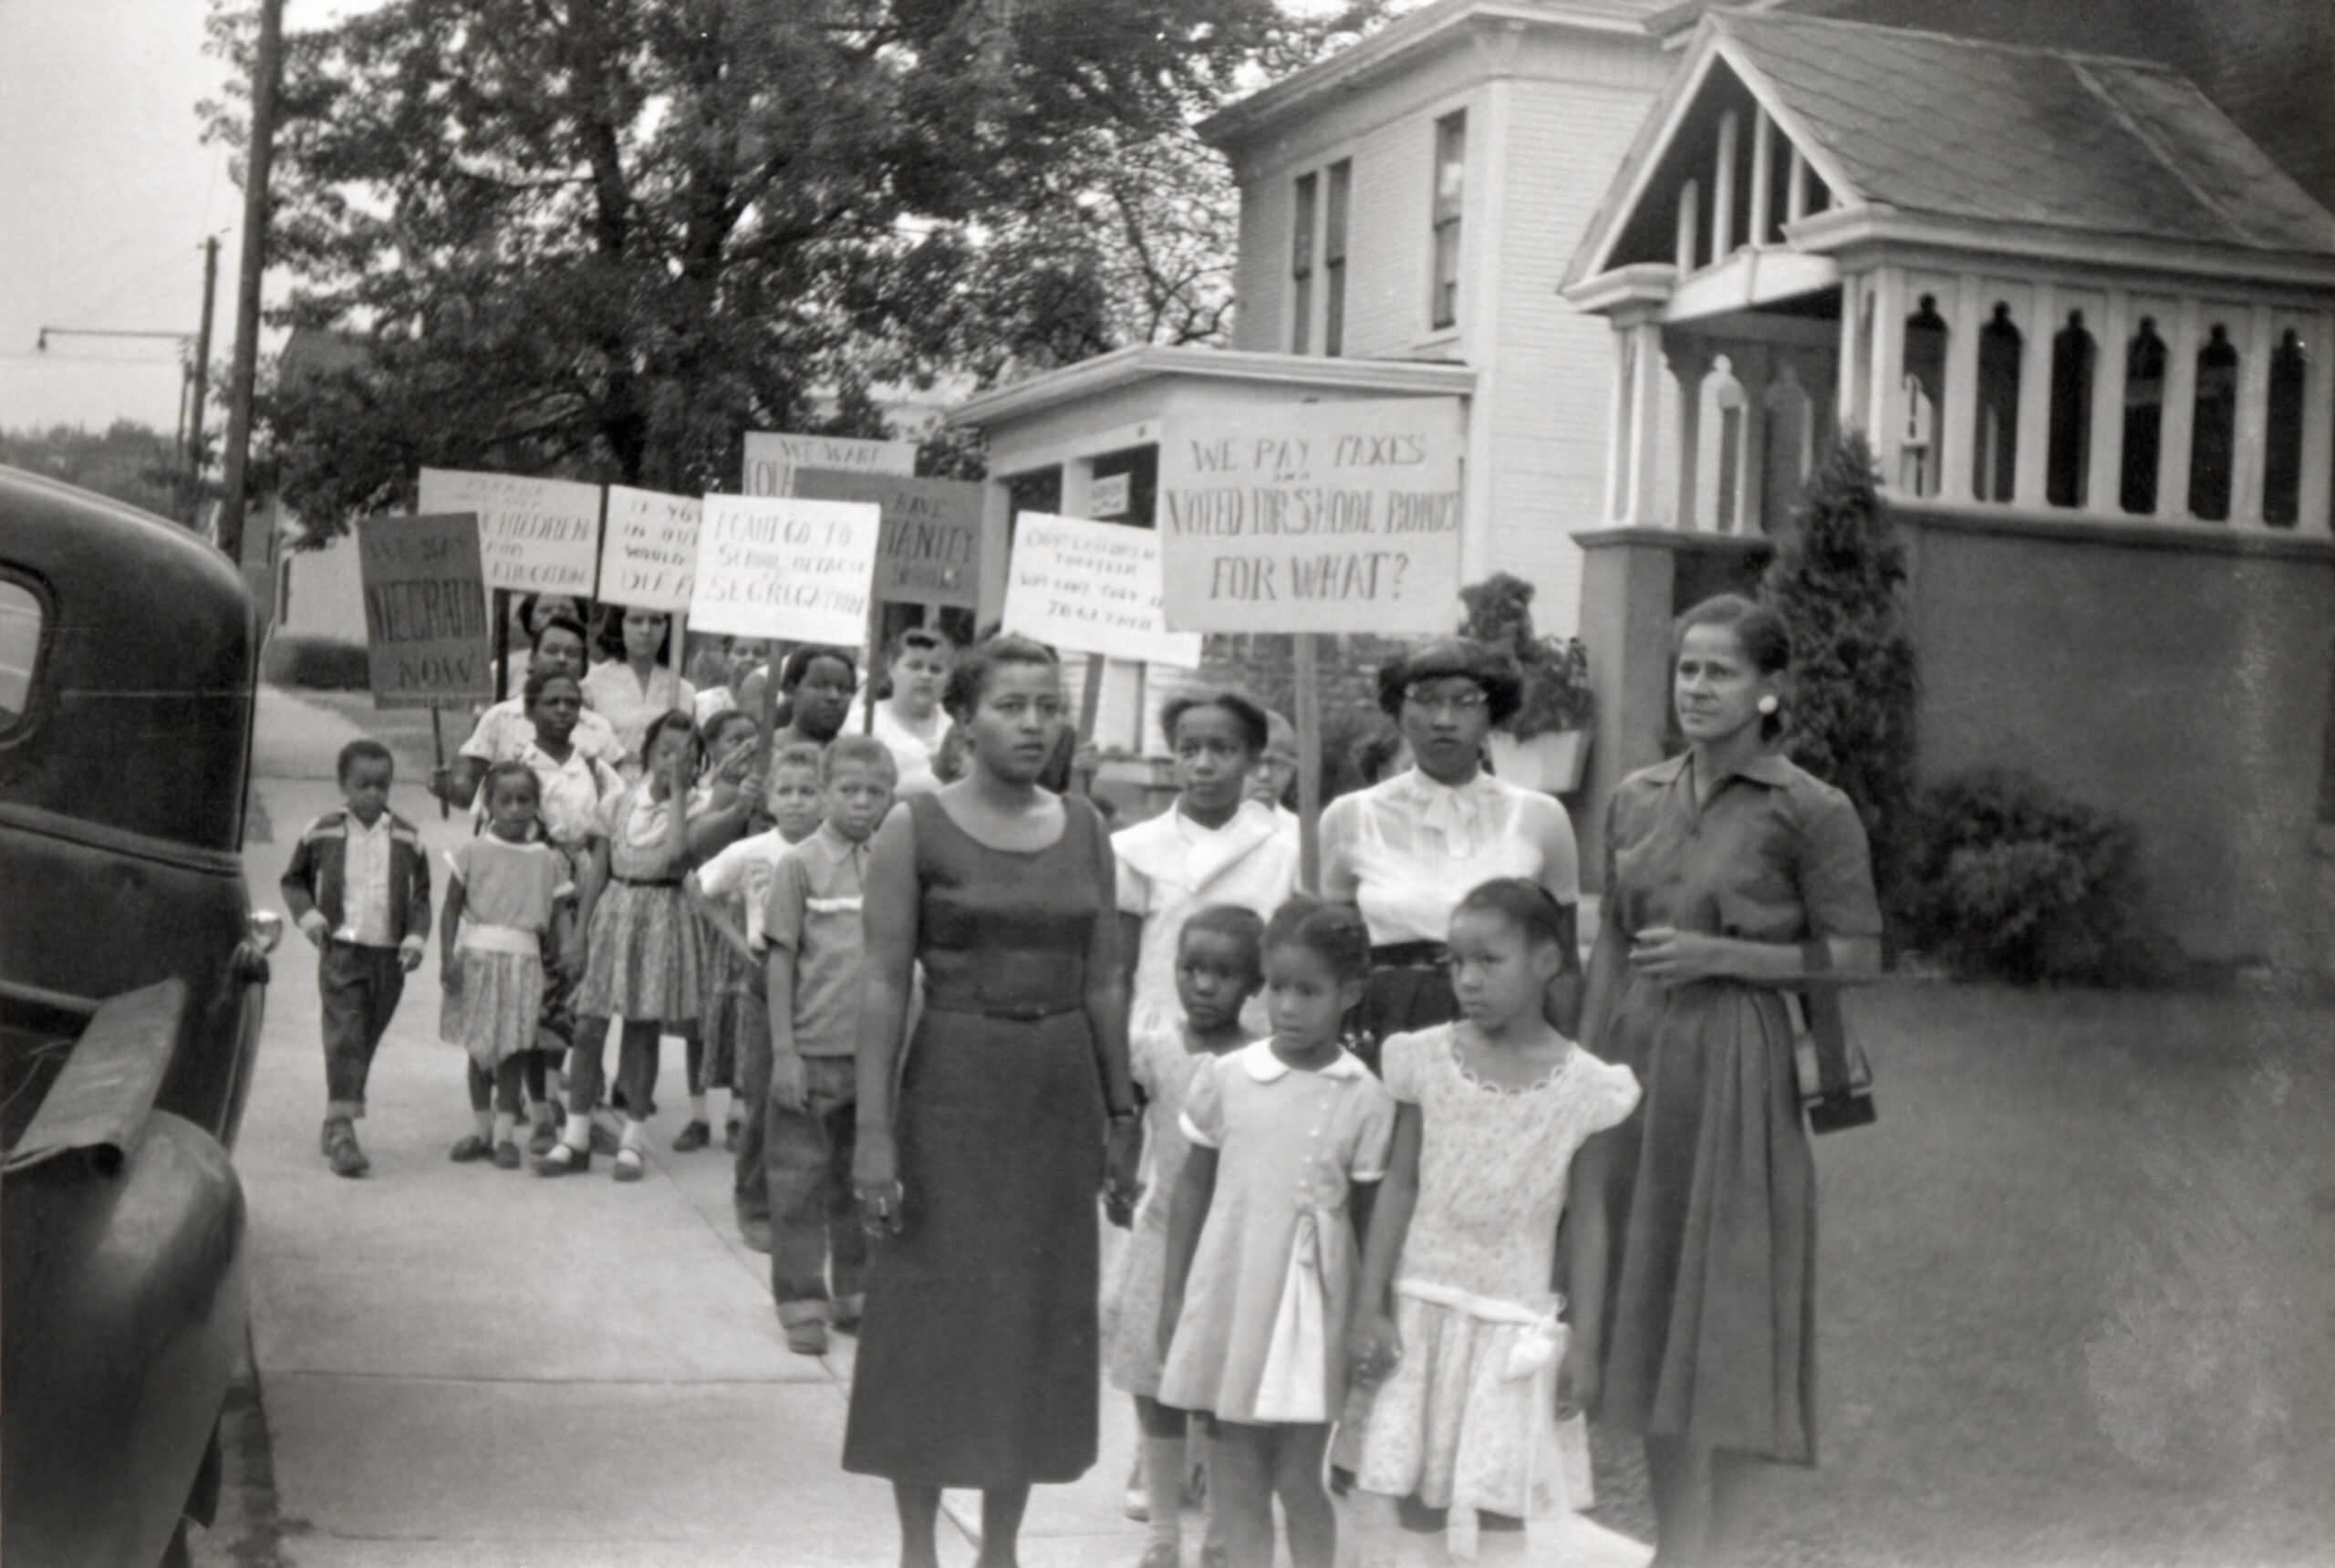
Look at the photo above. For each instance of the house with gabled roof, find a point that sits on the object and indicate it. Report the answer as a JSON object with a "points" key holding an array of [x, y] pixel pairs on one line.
{"points": [[2086, 326]]}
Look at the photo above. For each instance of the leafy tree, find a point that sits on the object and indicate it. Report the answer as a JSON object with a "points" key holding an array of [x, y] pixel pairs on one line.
{"points": [[605, 237], [1834, 580], [129, 462]]}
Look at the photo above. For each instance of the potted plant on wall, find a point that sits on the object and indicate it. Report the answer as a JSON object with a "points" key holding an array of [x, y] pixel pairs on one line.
{"points": [[1545, 744]]}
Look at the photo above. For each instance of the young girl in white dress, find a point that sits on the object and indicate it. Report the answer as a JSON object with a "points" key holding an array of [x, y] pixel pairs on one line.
{"points": [[1260, 1246], [1220, 965], [1455, 1320], [507, 900]]}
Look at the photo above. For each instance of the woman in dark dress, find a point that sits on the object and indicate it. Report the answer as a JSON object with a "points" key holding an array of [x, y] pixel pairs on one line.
{"points": [[1732, 877], [979, 1353]]}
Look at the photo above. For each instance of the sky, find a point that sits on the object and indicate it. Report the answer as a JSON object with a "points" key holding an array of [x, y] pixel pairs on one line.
{"points": [[107, 191]]}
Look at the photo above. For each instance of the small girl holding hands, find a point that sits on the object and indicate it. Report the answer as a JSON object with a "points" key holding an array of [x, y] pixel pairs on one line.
{"points": [[1455, 1321], [1261, 1249], [645, 963], [1220, 965], [723, 806], [507, 902]]}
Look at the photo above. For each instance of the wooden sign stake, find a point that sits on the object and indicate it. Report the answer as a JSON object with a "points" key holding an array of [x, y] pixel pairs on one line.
{"points": [[1090, 697], [438, 757], [501, 644], [875, 654], [1307, 699]]}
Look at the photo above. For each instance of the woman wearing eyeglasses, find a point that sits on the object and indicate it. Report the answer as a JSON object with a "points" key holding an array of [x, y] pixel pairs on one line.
{"points": [[1405, 851]]}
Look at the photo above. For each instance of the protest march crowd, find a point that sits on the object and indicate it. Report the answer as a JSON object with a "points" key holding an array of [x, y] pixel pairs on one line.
{"points": [[1391, 1229]]}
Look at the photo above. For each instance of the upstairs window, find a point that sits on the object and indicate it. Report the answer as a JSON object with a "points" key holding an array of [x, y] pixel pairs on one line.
{"points": [[2069, 455], [2143, 418], [1301, 265], [1450, 182], [1995, 463], [2282, 462], [1333, 258], [2212, 441]]}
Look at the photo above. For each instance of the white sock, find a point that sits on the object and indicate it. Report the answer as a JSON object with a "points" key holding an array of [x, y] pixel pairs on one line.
{"points": [[484, 1122], [1163, 1484], [696, 1107], [505, 1124], [635, 1133], [576, 1135]]}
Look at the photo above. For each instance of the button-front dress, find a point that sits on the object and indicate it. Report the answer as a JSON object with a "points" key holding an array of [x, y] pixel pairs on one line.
{"points": [[1713, 1333], [979, 1357]]}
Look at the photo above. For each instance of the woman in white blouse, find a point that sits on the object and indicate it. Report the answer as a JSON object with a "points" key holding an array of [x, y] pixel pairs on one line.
{"points": [[1405, 851], [632, 693]]}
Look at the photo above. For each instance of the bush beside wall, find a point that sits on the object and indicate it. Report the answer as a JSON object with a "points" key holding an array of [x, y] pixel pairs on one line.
{"points": [[315, 664]]}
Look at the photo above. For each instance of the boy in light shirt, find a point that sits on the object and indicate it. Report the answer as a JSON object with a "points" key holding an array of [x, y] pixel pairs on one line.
{"points": [[811, 926], [734, 884]]}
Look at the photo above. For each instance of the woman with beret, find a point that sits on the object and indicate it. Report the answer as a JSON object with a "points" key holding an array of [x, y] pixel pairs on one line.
{"points": [[1407, 850]]}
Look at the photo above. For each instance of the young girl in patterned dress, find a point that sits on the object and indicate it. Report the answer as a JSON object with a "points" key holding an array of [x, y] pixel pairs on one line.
{"points": [[644, 963], [711, 1054], [1218, 967], [505, 904], [1454, 1319], [1260, 1246]]}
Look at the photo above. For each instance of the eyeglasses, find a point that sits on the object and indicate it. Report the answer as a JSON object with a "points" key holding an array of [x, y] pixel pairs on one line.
{"points": [[1463, 704]]}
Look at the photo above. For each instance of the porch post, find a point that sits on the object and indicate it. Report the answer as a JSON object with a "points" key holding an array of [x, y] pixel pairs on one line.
{"points": [[1796, 188], [1617, 426], [1754, 365], [1885, 408], [2180, 415], [1690, 362], [1958, 420], [1723, 191], [1764, 180], [1642, 502], [2253, 419], [2104, 465], [1690, 196], [2035, 396], [1847, 414], [2318, 428]]}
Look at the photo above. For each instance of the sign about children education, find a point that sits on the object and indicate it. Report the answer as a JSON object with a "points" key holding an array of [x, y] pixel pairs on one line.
{"points": [[1092, 587], [1326, 517], [773, 458], [648, 550], [771, 565], [534, 536], [426, 625], [931, 553]]}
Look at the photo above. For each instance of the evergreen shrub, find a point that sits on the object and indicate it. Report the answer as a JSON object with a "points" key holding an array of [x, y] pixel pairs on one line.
{"points": [[2007, 880], [316, 664]]}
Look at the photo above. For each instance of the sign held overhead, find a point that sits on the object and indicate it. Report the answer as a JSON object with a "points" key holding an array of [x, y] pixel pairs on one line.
{"points": [[779, 568], [425, 611], [649, 551], [534, 536], [1332, 517], [1092, 587], [932, 550], [771, 457]]}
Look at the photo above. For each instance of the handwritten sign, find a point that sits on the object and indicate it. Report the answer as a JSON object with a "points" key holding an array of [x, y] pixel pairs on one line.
{"points": [[931, 553], [1092, 587], [772, 459], [649, 551], [1323, 517], [426, 625], [778, 566], [534, 536]]}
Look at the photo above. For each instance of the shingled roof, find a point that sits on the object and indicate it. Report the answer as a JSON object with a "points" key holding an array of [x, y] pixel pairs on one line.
{"points": [[1968, 130]]}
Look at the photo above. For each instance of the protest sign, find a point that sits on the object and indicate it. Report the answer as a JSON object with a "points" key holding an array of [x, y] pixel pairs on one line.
{"points": [[425, 610], [778, 566], [1330, 518], [1092, 587], [932, 550], [534, 536], [648, 550], [772, 459]]}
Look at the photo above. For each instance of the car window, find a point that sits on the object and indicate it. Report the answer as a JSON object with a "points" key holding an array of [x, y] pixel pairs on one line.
{"points": [[19, 651]]}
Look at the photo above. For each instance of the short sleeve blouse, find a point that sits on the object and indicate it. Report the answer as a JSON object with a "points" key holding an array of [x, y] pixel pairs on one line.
{"points": [[636, 827], [1775, 854], [513, 885], [1407, 850]]}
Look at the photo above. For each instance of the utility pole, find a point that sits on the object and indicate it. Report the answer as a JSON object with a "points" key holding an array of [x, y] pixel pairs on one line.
{"points": [[202, 373], [259, 151]]}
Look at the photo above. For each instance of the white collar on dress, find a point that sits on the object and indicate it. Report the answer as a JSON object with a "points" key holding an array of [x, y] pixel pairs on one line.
{"points": [[1263, 1066], [1454, 811]]}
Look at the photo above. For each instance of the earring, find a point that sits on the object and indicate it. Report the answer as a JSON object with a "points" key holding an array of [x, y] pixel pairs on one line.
{"points": [[1768, 706]]}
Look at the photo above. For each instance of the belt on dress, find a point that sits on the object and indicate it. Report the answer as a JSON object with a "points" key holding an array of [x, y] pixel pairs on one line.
{"points": [[645, 881], [1409, 955], [1018, 1013], [483, 938]]}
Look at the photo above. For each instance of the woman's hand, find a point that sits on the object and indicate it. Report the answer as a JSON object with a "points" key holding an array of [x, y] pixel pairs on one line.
{"points": [[1122, 1153], [1576, 1381], [875, 1176], [1668, 956], [1373, 1348]]}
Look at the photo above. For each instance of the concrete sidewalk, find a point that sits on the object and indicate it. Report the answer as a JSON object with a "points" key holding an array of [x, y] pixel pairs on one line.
{"points": [[462, 1365]]}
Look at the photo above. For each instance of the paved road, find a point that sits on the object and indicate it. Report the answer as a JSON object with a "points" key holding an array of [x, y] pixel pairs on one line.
{"points": [[460, 1365]]}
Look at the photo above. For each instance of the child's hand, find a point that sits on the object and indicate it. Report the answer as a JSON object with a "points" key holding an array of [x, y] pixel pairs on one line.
{"points": [[1374, 1348], [875, 1176], [1576, 1382], [449, 979], [787, 1085], [315, 929], [409, 958], [1122, 1153]]}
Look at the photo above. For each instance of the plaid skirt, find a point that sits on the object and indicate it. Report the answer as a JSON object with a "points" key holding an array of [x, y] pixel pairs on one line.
{"points": [[645, 961]]}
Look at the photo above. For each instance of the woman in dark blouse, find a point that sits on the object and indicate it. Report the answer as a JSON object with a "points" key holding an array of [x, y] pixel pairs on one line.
{"points": [[1731, 877]]}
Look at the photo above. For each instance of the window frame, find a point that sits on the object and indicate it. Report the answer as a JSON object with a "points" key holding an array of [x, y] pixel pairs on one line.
{"points": [[15, 727], [1337, 214], [1447, 214], [1304, 209]]}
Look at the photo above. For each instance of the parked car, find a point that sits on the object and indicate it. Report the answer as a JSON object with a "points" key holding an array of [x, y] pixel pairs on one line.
{"points": [[133, 974]]}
